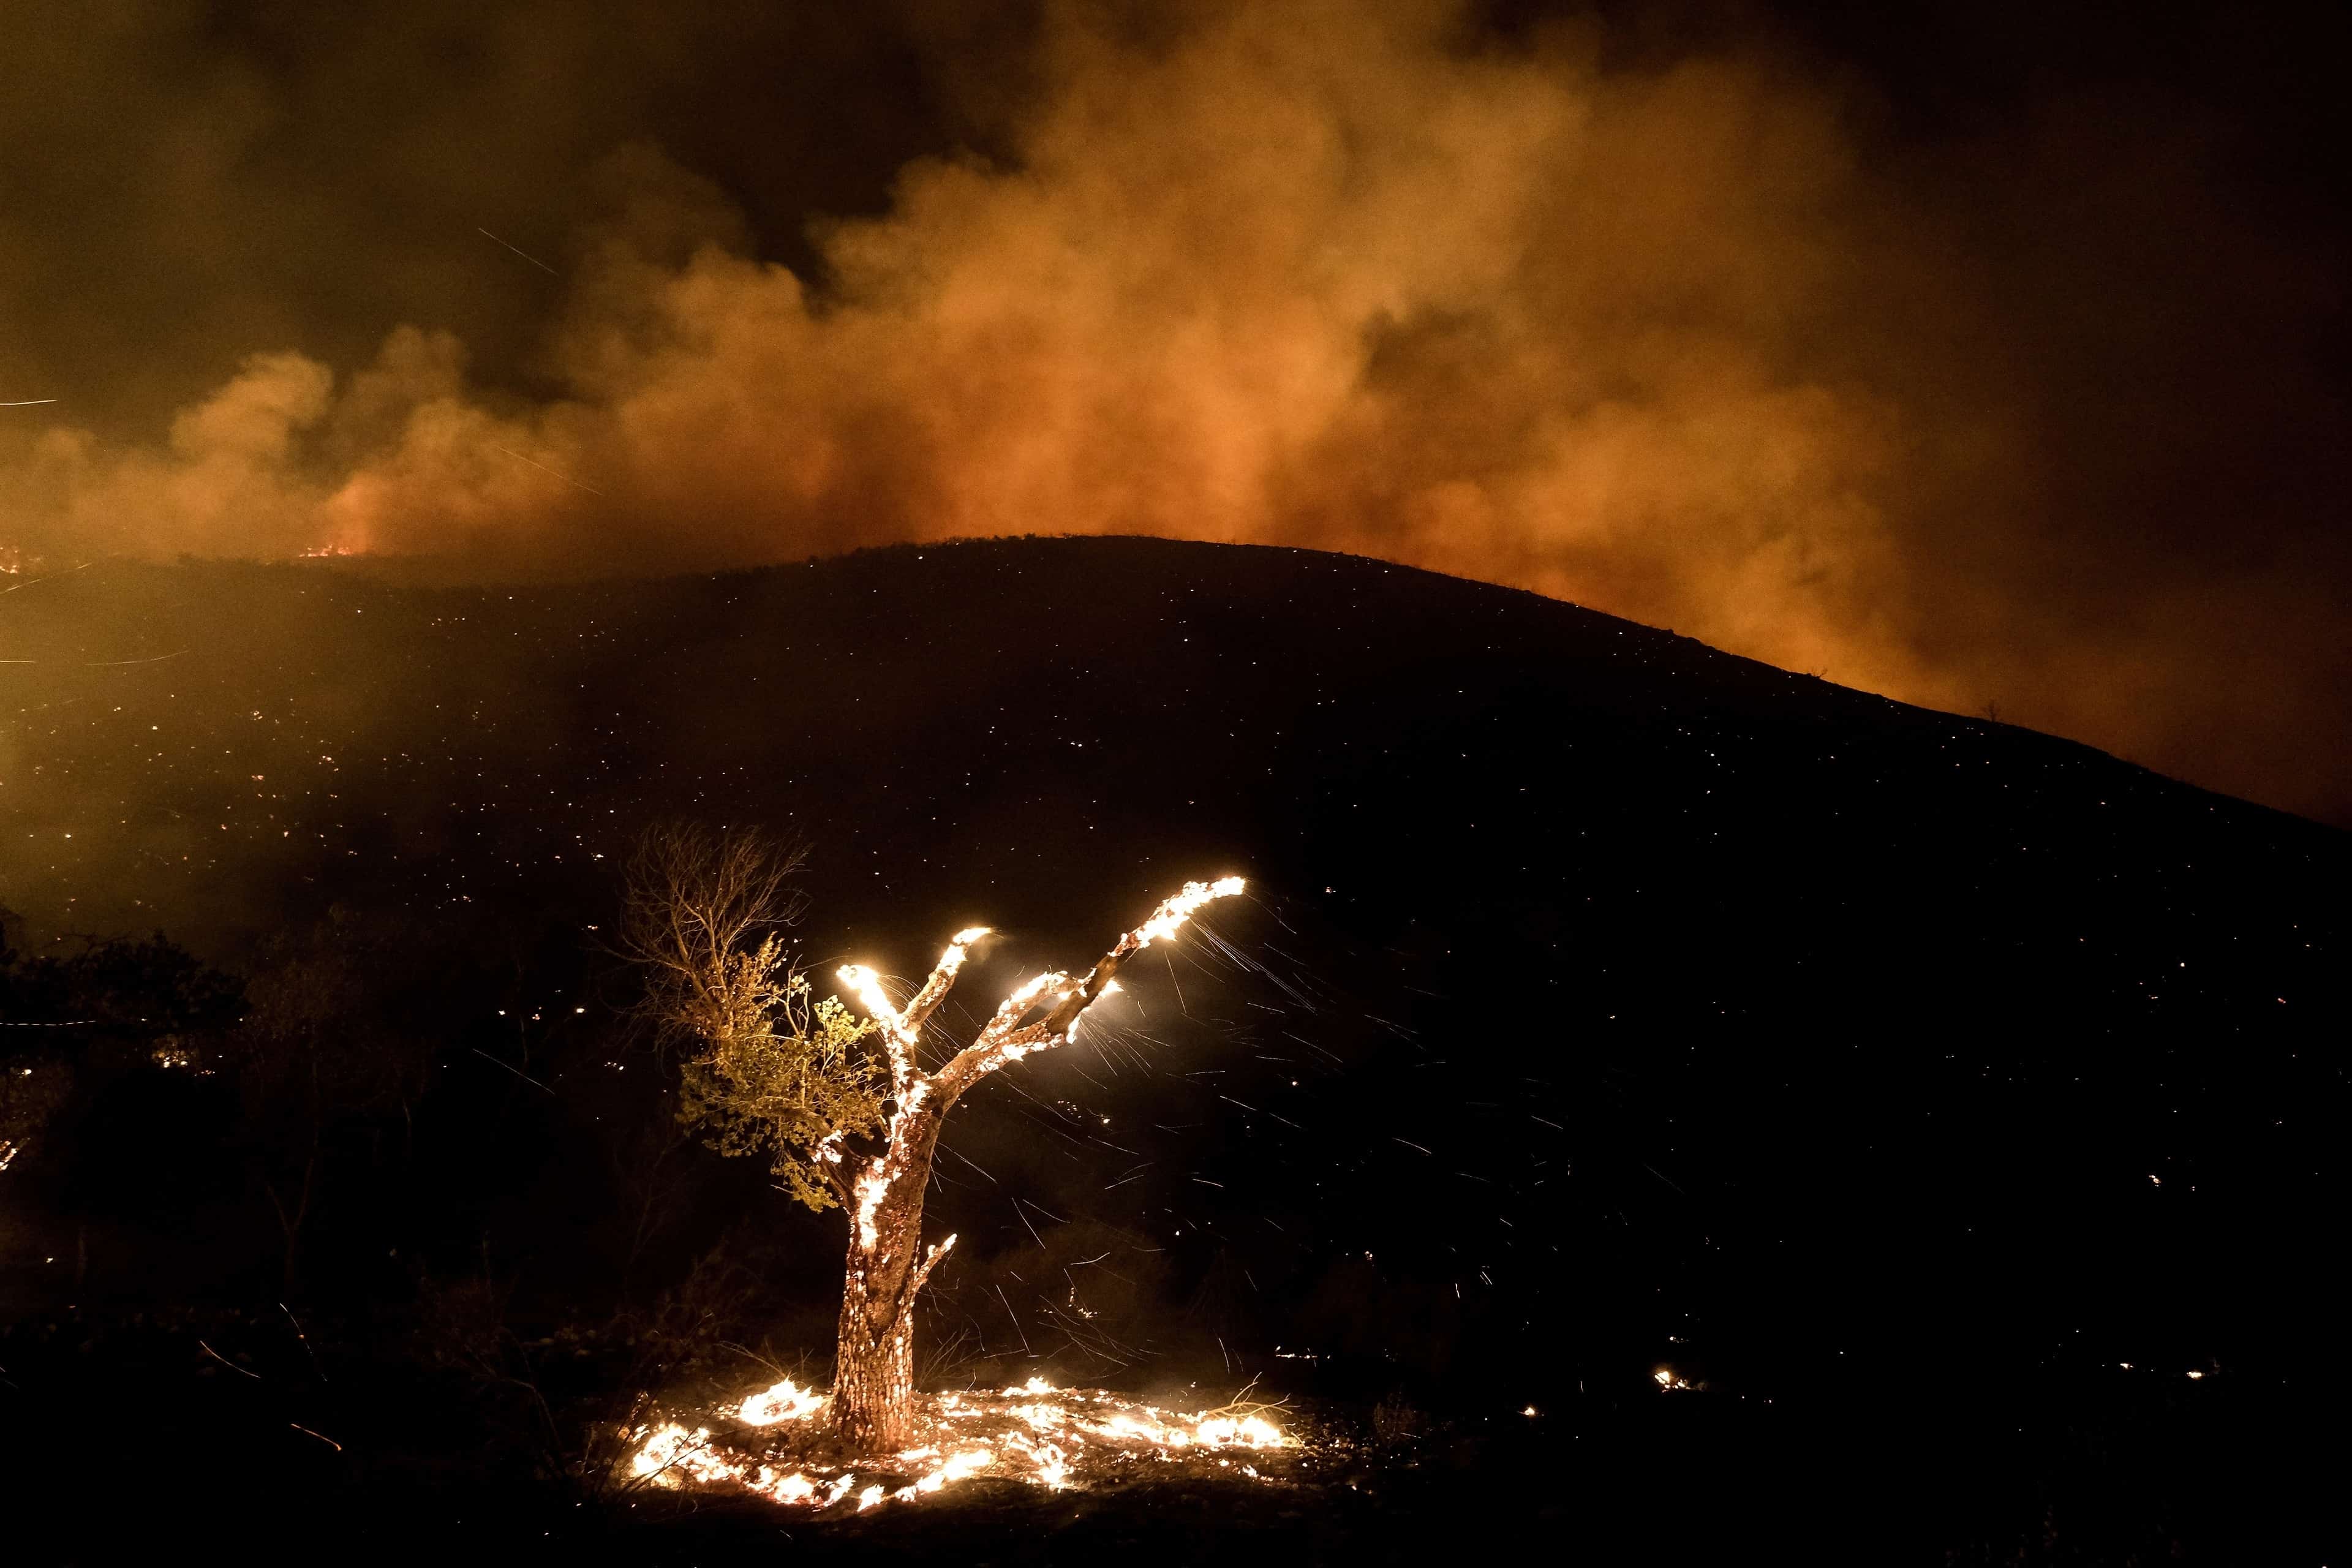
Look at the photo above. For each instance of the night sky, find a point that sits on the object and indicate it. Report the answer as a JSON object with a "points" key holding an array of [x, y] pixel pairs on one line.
{"points": [[1991, 357]]}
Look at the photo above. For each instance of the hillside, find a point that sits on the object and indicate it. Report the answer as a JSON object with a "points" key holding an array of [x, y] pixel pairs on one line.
{"points": [[1607, 1000]]}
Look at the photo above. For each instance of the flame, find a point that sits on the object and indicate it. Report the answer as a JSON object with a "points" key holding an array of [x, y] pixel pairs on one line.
{"points": [[672, 1450], [960, 947], [872, 1188], [1034, 1432], [876, 1001], [1050, 1464], [868, 986], [1027, 993], [1244, 1432], [787, 1401], [968, 1463], [1169, 917]]}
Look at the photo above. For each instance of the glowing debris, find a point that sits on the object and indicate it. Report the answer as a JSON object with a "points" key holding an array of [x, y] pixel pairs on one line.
{"points": [[787, 1401], [1036, 1434], [671, 1453]]}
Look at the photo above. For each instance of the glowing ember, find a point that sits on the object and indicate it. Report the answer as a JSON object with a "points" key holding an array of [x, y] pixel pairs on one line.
{"points": [[787, 1401], [970, 1463], [671, 1451], [1248, 1432]]}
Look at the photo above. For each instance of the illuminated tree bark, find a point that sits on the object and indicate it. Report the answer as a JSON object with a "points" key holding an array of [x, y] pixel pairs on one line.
{"points": [[873, 1386], [874, 1361]]}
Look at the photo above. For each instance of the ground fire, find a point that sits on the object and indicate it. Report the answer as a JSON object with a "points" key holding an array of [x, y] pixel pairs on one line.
{"points": [[778, 1445]]}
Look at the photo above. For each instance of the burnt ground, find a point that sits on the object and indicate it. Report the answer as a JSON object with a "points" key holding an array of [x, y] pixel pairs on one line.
{"points": [[136, 1449], [1938, 1094]]}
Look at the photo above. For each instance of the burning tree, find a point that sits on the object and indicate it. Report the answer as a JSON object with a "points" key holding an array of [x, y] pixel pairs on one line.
{"points": [[843, 1104]]}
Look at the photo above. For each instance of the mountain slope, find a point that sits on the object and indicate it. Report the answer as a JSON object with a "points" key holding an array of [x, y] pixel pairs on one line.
{"points": [[1604, 991]]}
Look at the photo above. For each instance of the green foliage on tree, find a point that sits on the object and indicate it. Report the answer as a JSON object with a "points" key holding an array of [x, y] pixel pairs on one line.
{"points": [[766, 1066]]}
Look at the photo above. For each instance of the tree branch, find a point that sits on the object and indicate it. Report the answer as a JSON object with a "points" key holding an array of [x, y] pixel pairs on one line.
{"points": [[1006, 1039], [935, 989], [898, 1040], [902, 1031], [923, 1272]]}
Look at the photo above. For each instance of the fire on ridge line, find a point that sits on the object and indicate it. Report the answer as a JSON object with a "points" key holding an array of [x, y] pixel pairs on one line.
{"points": [[1034, 1432]]}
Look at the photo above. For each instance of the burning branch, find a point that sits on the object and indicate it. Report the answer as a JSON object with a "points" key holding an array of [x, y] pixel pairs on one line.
{"points": [[1007, 1040], [930, 1261]]}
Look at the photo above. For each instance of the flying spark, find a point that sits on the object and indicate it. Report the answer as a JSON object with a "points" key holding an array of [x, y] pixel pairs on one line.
{"points": [[543, 469], [527, 255]]}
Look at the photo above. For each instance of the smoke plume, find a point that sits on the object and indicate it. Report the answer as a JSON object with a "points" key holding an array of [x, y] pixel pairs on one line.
{"points": [[2031, 411]]}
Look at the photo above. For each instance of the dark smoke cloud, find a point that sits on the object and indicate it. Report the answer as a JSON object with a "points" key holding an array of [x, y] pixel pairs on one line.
{"points": [[2035, 405]]}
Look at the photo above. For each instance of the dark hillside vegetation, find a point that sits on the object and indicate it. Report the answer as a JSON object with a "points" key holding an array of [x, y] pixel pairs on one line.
{"points": [[1608, 1003]]}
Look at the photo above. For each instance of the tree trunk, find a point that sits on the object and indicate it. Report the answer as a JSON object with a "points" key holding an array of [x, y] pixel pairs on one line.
{"points": [[874, 1361], [874, 1365]]}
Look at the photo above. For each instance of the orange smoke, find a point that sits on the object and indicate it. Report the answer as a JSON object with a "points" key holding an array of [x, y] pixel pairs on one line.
{"points": [[1662, 340]]}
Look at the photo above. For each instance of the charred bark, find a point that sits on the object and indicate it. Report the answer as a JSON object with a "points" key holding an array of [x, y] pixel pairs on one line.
{"points": [[873, 1359]]}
